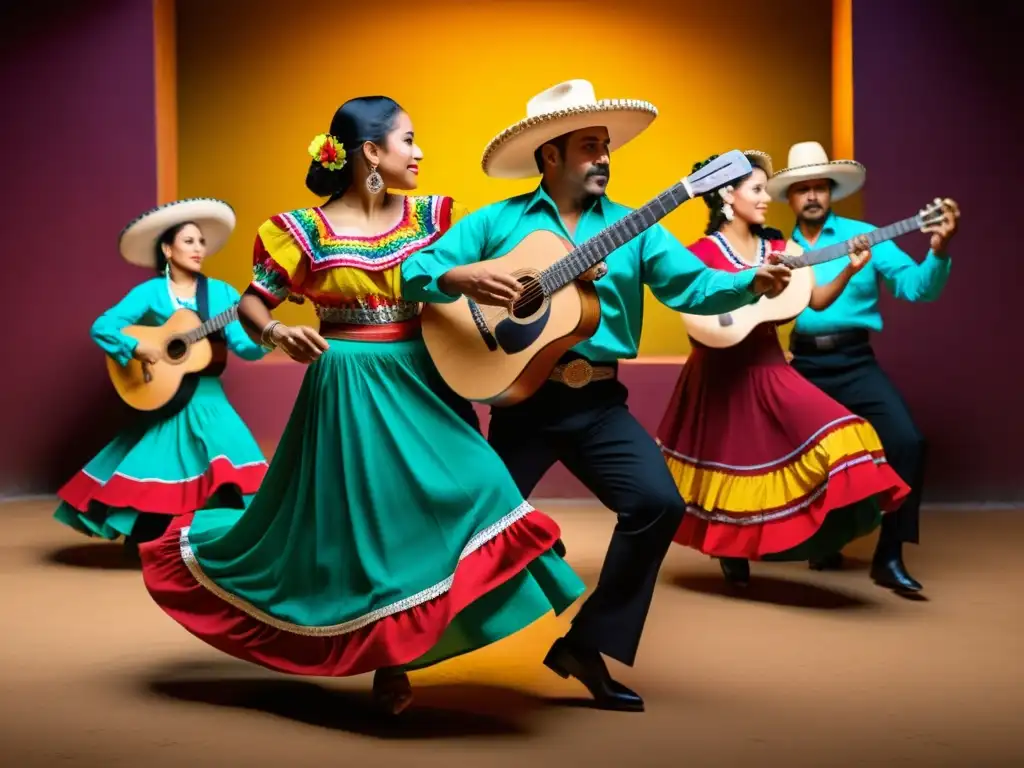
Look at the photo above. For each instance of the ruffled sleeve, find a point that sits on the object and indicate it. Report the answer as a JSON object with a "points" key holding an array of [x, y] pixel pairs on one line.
{"points": [[278, 263]]}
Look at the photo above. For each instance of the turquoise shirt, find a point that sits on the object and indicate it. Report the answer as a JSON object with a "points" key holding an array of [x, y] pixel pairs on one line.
{"points": [[857, 306], [655, 258], [151, 303]]}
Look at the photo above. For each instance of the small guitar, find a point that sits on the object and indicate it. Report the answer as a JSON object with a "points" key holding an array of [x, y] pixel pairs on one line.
{"points": [[728, 330], [502, 355], [185, 349]]}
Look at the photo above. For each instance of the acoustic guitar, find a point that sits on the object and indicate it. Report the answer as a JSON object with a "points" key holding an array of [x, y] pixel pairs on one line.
{"points": [[185, 349], [502, 355], [728, 330]]}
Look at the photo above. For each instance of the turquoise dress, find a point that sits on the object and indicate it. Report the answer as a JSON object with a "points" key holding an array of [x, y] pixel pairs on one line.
{"points": [[387, 532], [161, 467]]}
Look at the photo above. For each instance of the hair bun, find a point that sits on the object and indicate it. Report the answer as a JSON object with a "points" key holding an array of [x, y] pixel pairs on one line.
{"points": [[697, 166]]}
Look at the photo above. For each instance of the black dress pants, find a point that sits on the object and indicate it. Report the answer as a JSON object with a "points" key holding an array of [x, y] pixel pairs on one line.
{"points": [[851, 375], [591, 431]]}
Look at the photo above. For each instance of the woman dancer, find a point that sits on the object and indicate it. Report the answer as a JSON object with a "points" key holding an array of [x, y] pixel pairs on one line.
{"points": [[387, 535], [196, 451], [771, 468]]}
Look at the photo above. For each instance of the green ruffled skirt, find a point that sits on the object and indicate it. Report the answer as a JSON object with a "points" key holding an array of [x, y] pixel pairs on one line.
{"points": [[387, 533]]}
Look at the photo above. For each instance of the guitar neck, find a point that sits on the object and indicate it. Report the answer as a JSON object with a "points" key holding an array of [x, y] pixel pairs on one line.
{"points": [[598, 247], [214, 324], [838, 250]]}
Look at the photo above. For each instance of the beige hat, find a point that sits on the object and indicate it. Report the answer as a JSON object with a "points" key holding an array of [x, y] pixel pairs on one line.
{"points": [[562, 109], [138, 240], [759, 159], [808, 160]]}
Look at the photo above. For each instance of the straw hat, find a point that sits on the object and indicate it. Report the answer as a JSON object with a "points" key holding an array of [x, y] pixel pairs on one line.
{"points": [[138, 240], [759, 159], [808, 160], [561, 109]]}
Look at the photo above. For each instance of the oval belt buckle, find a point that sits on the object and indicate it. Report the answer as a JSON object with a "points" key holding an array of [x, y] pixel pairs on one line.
{"points": [[577, 374]]}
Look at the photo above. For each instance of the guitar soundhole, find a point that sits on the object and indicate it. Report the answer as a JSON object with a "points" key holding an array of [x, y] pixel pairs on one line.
{"points": [[176, 349], [531, 300]]}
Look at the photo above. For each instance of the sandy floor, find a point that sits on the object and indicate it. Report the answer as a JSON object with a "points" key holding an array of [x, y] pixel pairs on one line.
{"points": [[802, 669]]}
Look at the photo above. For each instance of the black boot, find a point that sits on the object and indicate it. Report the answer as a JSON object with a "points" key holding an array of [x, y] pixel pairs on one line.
{"points": [[833, 562], [566, 660], [888, 570], [736, 570]]}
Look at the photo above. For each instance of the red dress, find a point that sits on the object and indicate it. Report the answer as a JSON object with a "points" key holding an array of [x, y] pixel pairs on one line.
{"points": [[770, 467]]}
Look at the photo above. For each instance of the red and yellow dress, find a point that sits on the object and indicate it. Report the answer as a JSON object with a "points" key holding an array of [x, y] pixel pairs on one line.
{"points": [[770, 467]]}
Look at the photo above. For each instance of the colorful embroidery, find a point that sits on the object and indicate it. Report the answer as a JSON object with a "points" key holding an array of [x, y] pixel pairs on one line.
{"points": [[423, 221], [270, 279], [762, 251]]}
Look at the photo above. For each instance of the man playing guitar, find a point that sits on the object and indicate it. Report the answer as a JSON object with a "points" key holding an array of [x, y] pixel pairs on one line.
{"points": [[832, 347]]}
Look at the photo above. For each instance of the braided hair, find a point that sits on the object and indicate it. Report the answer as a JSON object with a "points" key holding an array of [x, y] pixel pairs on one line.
{"points": [[716, 206]]}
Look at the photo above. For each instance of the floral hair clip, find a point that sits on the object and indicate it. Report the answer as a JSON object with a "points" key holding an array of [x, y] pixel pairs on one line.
{"points": [[328, 151]]}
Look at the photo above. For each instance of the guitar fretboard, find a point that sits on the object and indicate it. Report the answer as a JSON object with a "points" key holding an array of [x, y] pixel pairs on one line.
{"points": [[838, 250], [597, 248], [214, 324]]}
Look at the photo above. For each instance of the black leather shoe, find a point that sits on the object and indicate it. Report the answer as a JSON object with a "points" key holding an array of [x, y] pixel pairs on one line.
{"points": [[736, 570], [588, 667], [892, 574], [833, 562]]}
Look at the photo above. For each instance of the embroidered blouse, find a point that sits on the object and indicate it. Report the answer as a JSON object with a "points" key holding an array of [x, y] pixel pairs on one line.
{"points": [[348, 278]]}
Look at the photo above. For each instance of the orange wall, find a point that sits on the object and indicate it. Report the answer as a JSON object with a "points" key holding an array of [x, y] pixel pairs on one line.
{"points": [[166, 90], [255, 84]]}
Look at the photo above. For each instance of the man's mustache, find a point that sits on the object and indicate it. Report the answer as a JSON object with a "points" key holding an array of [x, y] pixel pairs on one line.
{"points": [[599, 170], [812, 207]]}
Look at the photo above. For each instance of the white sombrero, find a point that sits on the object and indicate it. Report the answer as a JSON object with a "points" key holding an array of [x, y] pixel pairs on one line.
{"points": [[138, 240], [561, 109], [808, 160]]}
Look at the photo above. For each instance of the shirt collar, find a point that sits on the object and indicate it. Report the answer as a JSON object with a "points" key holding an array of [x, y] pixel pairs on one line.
{"points": [[829, 227], [541, 197]]}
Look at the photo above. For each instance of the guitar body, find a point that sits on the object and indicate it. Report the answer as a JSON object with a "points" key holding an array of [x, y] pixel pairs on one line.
{"points": [[728, 330], [178, 359], [489, 356]]}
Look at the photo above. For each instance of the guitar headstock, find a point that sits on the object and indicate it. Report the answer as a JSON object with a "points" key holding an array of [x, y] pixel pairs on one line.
{"points": [[725, 168], [937, 210]]}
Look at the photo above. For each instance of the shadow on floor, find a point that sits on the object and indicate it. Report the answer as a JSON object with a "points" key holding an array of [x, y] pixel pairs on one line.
{"points": [[439, 711], [772, 590], [100, 556]]}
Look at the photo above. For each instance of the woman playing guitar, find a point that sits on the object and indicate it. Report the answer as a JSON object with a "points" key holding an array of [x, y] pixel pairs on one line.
{"points": [[196, 450], [770, 467]]}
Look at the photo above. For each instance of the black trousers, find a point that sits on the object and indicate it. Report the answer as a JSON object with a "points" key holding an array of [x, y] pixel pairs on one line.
{"points": [[591, 431], [852, 376]]}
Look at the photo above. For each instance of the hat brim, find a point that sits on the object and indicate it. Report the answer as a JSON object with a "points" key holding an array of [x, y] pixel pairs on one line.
{"points": [[510, 154], [847, 175], [216, 219], [759, 159]]}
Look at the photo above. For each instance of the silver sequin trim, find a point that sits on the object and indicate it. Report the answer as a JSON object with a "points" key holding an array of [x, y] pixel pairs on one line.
{"points": [[366, 315], [776, 514], [483, 537]]}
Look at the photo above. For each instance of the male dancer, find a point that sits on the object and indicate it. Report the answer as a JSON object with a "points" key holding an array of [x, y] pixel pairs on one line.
{"points": [[567, 138], [832, 348]]}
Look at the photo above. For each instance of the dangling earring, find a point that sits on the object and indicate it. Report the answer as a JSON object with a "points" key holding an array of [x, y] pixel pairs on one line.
{"points": [[167, 269], [727, 211], [374, 182]]}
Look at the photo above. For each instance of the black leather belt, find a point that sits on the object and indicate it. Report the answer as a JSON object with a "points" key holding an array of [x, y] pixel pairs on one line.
{"points": [[800, 343]]}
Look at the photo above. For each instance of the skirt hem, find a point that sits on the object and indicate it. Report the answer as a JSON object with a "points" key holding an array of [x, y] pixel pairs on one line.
{"points": [[395, 640]]}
